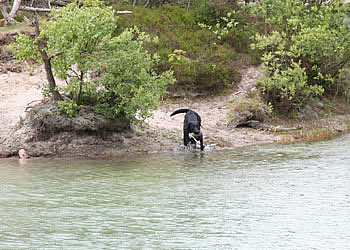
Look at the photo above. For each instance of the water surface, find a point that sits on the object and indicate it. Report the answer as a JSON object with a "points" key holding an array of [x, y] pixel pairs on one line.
{"points": [[267, 197]]}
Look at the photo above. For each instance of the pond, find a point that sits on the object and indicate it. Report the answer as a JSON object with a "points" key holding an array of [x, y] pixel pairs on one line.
{"points": [[294, 196]]}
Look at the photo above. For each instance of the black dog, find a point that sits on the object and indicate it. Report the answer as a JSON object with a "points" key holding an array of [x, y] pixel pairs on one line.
{"points": [[192, 127]]}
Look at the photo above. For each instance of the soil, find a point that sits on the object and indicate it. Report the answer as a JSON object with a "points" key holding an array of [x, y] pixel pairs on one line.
{"points": [[161, 133], [213, 112]]}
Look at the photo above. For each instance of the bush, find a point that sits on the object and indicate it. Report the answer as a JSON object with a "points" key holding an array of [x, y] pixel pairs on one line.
{"points": [[305, 47], [69, 108], [130, 85]]}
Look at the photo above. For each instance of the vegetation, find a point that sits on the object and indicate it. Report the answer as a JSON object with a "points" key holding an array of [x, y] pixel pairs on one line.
{"points": [[302, 45], [125, 82], [305, 50], [200, 61], [246, 109]]}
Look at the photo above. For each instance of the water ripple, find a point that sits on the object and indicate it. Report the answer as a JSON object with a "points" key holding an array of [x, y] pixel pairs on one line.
{"points": [[279, 196]]}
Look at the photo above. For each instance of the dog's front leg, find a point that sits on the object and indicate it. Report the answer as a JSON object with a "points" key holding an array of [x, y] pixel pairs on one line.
{"points": [[186, 138], [201, 140]]}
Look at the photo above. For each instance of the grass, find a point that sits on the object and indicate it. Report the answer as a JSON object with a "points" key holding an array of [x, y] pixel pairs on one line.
{"points": [[16, 27], [323, 130], [208, 65]]}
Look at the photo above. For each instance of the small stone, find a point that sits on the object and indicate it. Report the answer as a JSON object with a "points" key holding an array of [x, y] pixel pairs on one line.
{"points": [[22, 154]]}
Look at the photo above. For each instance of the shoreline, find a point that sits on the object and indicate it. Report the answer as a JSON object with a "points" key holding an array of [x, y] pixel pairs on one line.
{"points": [[161, 133]]}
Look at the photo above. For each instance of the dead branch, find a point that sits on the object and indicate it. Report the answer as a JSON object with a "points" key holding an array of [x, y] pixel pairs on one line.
{"points": [[33, 9], [120, 12]]}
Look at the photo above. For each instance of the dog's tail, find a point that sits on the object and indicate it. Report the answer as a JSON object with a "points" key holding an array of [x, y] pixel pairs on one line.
{"points": [[180, 111]]}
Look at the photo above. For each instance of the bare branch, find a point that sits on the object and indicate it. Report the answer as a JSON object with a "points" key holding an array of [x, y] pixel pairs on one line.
{"points": [[3, 10], [42, 46], [15, 7], [32, 9], [120, 12], [75, 73], [56, 54]]}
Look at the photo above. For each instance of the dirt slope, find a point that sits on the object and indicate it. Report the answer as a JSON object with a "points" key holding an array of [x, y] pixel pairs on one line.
{"points": [[213, 112]]}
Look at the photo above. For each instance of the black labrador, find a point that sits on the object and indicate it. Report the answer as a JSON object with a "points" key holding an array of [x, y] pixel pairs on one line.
{"points": [[192, 127]]}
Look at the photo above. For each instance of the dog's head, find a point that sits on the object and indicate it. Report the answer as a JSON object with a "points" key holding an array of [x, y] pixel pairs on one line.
{"points": [[194, 128], [192, 122]]}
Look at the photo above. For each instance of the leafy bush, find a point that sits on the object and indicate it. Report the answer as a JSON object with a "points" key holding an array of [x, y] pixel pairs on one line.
{"points": [[69, 108], [287, 88], [305, 47], [130, 85]]}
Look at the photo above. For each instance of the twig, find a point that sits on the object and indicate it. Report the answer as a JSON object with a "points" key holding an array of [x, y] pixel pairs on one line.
{"points": [[56, 54], [29, 107]]}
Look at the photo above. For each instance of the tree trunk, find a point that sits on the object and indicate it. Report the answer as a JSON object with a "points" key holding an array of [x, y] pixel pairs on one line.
{"points": [[81, 78], [5, 14], [15, 7], [47, 63], [49, 75]]}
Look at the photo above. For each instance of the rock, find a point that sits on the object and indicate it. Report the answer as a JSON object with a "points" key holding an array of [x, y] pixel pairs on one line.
{"points": [[22, 154], [248, 111]]}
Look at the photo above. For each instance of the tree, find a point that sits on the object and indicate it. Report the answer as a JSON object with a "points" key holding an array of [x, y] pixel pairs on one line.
{"points": [[79, 42]]}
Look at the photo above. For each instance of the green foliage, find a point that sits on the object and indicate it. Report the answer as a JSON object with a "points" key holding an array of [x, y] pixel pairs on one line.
{"points": [[25, 48], [289, 87], [21, 121], [69, 108], [77, 32], [204, 66], [88, 91], [71, 37], [344, 83], [222, 28], [81, 42], [305, 47], [131, 86], [244, 109]]}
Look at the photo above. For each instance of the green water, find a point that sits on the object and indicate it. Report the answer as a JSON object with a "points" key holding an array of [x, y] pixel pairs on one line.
{"points": [[267, 197]]}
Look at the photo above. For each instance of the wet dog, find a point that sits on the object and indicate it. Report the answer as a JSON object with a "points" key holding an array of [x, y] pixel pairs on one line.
{"points": [[192, 127]]}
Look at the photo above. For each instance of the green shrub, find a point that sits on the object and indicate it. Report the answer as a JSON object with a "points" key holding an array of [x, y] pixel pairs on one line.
{"points": [[289, 87], [305, 47], [69, 108], [130, 85]]}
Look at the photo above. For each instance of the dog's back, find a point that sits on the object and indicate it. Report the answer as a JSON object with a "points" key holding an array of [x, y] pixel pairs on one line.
{"points": [[191, 116]]}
